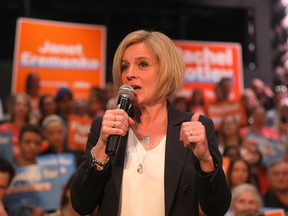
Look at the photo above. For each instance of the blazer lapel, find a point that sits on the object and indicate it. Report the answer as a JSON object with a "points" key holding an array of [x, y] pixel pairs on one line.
{"points": [[174, 150]]}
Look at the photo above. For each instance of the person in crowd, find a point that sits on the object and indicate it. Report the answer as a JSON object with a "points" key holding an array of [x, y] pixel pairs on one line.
{"points": [[47, 106], [19, 115], [258, 126], [250, 102], [280, 93], [168, 161], [224, 89], [196, 103], [96, 103], [246, 201], [181, 103], [7, 173], [239, 172], [108, 91], [30, 140], [263, 93], [250, 152], [54, 131], [64, 103], [229, 132], [281, 122], [80, 108], [231, 152], [277, 193], [32, 88]]}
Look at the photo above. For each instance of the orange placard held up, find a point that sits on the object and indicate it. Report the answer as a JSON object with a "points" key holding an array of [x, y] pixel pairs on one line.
{"points": [[207, 62], [217, 110], [276, 212], [78, 129], [62, 54]]}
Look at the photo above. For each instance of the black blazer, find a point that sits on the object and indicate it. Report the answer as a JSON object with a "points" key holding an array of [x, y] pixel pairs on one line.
{"points": [[185, 184]]}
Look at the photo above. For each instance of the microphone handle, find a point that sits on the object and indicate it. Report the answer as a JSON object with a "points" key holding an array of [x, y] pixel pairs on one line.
{"points": [[115, 140]]}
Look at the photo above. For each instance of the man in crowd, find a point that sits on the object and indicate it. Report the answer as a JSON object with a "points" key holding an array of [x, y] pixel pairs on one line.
{"points": [[277, 194]]}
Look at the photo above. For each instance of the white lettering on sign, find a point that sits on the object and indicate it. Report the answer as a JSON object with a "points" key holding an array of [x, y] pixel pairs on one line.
{"points": [[54, 48], [207, 56]]}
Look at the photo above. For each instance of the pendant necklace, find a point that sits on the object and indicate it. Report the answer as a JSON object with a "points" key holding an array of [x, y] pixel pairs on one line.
{"points": [[146, 137], [140, 164]]}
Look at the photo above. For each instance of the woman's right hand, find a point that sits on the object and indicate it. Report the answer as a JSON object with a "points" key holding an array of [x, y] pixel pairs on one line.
{"points": [[115, 122]]}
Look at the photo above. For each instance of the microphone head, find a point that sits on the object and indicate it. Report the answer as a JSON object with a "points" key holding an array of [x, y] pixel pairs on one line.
{"points": [[126, 91]]}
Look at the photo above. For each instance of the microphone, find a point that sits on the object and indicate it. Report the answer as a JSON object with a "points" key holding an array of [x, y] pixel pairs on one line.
{"points": [[125, 95]]}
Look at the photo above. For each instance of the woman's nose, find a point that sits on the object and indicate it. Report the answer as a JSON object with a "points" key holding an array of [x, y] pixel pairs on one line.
{"points": [[131, 73]]}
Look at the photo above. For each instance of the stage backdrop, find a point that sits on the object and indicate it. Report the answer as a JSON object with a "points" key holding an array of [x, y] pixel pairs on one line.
{"points": [[61, 54], [207, 62]]}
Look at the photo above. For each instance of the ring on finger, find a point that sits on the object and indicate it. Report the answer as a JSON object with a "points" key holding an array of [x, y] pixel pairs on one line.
{"points": [[190, 132]]}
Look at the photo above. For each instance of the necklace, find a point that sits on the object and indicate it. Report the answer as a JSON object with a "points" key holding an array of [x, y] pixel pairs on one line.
{"points": [[140, 165], [146, 138]]}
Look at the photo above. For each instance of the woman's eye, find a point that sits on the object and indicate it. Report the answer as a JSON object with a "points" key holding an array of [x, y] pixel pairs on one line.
{"points": [[123, 68], [143, 65]]}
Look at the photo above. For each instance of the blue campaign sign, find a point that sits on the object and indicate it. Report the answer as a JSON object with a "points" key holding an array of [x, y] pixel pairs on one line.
{"points": [[34, 186], [271, 150], [65, 162], [6, 146]]}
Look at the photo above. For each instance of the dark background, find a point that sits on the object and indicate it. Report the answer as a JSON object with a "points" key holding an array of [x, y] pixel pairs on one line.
{"points": [[203, 20]]}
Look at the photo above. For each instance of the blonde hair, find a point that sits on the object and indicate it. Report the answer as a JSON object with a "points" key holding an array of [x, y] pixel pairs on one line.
{"points": [[51, 119], [171, 73], [12, 103]]}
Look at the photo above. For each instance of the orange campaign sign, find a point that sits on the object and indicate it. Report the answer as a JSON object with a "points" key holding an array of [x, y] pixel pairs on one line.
{"points": [[206, 63], [217, 110], [275, 212], [78, 129], [62, 54]]}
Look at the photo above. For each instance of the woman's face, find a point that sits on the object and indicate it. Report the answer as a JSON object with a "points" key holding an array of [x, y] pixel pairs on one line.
{"points": [[49, 106], [55, 134], [239, 173], [21, 107], [229, 126], [139, 69], [245, 201], [259, 117]]}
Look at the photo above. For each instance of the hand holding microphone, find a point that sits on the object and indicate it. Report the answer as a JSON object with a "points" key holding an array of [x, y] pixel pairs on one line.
{"points": [[125, 95]]}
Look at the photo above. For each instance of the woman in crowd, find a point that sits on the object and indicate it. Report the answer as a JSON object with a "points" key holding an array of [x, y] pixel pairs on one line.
{"points": [[168, 161], [246, 201], [197, 102], [228, 133], [47, 106], [19, 111], [250, 102], [239, 172], [54, 130]]}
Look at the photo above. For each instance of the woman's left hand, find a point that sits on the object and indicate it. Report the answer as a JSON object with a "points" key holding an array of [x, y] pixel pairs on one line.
{"points": [[193, 135]]}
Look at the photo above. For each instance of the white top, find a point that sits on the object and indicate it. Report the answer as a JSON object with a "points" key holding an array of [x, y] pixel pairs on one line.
{"points": [[143, 194]]}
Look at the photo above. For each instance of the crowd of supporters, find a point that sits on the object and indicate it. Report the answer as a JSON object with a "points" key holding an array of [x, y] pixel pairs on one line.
{"points": [[254, 143]]}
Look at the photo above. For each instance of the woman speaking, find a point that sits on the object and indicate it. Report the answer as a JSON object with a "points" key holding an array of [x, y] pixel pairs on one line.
{"points": [[168, 161]]}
